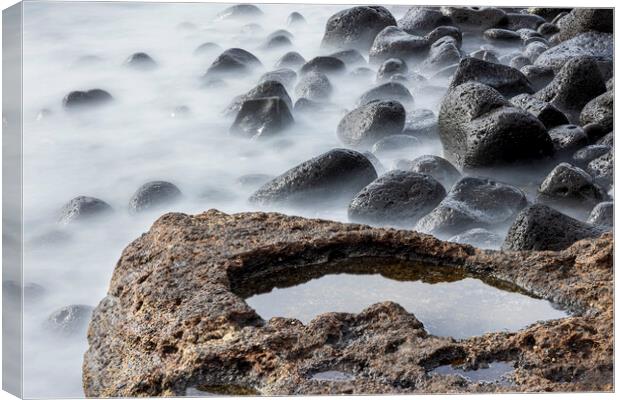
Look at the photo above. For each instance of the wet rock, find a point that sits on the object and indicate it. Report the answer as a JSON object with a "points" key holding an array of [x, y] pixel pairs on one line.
{"points": [[538, 76], [141, 61], [393, 42], [371, 122], [534, 37], [599, 46], [292, 59], [351, 58], [398, 198], [277, 42], [545, 112], [90, 98], [395, 145], [534, 50], [422, 124], [83, 209], [578, 82], [570, 186], [233, 62], [387, 91], [518, 21], [548, 29], [439, 168], [207, 48], [548, 13], [391, 67], [599, 110], [602, 169], [602, 214], [262, 118], [567, 139], [519, 62], [584, 156], [281, 32], [335, 176], [607, 140], [325, 65], [610, 84], [475, 18], [478, 237], [422, 20], [356, 27], [154, 195], [508, 81], [241, 11], [70, 320], [539, 227], [442, 53], [295, 19], [314, 86], [270, 88], [580, 20], [473, 203], [443, 31], [485, 55], [285, 76], [502, 37], [479, 128]]}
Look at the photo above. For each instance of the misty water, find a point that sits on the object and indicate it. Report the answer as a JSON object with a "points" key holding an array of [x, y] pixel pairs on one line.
{"points": [[109, 152], [448, 303]]}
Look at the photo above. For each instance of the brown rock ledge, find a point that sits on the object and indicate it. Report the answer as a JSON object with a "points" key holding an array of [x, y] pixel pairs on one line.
{"points": [[171, 321]]}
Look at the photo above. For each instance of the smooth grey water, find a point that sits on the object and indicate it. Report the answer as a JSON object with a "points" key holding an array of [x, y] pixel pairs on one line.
{"points": [[496, 372], [460, 308]]}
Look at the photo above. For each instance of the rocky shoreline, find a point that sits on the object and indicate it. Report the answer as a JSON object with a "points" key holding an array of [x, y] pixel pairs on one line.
{"points": [[172, 320]]}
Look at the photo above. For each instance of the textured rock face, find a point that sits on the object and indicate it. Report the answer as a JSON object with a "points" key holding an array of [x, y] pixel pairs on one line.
{"points": [[581, 20], [154, 195], [506, 80], [571, 186], [398, 198], [356, 28], [314, 86], [268, 88], [83, 208], [371, 122], [388, 91], [578, 82], [422, 20], [333, 176], [437, 167], [599, 46], [394, 42], [262, 118], [479, 128], [90, 98], [233, 61], [539, 227], [473, 203], [172, 320], [599, 110]]}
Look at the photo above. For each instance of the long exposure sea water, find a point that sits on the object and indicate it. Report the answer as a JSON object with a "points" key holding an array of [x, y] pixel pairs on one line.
{"points": [[163, 125]]}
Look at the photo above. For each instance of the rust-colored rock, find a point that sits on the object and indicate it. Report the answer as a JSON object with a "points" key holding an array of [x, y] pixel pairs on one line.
{"points": [[172, 321]]}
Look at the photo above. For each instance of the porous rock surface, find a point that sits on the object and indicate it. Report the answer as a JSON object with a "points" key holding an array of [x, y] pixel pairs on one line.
{"points": [[171, 319]]}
